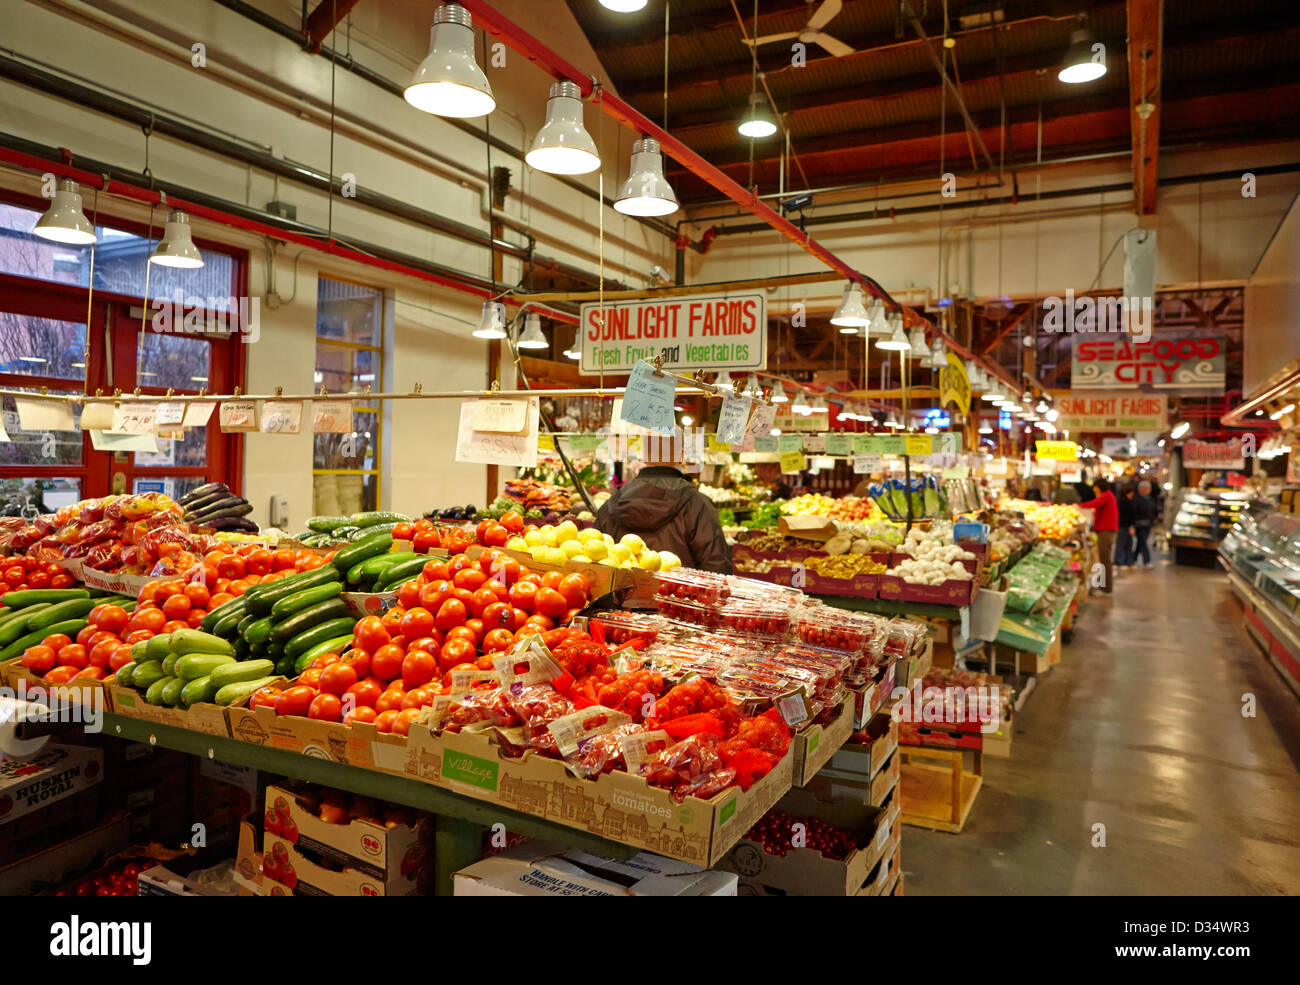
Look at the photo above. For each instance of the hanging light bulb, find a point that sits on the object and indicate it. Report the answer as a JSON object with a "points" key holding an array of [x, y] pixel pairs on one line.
{"points": [[800, 405], [449, 81], [574, 352], [623, 6], [852, 313], [176, 248], [897, 341], [847, 413], [993, 392], [563, 145], [891, 421], [938, 356], [531, 337], [758, 121], [819, 406], [1079, 65], [723, 382], [918, 347], [646, 191], [878, 326], [778, 394], [492, 323], [752, 386], [65, 221], [1042, 407]]}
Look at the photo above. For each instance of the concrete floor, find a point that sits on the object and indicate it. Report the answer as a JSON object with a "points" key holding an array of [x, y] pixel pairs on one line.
{"points": [[1139, 728]]}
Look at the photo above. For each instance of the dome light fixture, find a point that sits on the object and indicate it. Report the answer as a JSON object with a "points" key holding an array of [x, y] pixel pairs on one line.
{"points": [[917, 346], [819, 406], [851, 315], [897, 341], [531, 337], [801, 405], [879, 325], [778, 394], [492, 323], [65, 221], [623, 6], [723, 382], [646, 191], [449, 82], [753, 387], [1085, 60], [176, 248], [563, 145], [574, 353], [938, 356], [758, 120]]}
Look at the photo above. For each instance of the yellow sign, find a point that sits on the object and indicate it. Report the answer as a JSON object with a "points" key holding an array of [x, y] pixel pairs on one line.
{"points": [[716, 445], [1066, 451], [545, 442], [634, 442], [954, 387], [918, 444], [793, 461]]}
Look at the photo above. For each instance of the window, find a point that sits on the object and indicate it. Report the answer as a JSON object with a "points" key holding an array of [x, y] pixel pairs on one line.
{"points": [[349, 359]]}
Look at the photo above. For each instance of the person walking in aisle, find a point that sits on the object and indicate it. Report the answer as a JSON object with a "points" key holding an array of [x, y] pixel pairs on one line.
{"points": [[1124, 535], [1106, 524], [1144, 518]]}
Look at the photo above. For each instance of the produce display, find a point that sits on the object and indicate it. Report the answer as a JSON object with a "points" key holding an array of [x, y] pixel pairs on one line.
{"points": [[1061, 521], [847, 508], [779, 832], [918, 497], [845, 565], [63, 633], [533, 494], [24, 572], [556, 544], [326, 531]]}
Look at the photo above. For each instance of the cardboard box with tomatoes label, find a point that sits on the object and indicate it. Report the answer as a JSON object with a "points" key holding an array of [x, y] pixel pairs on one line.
{"points": [[85, 691], [616, 805], [393, 855], [806, 871], [52, 773], [815, 745], [207, 718], [358, 744], [539, 869], [285, 870]]}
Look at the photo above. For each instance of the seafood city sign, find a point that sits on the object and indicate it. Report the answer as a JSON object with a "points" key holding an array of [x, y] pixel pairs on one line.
{"points": [[1108, 364]]}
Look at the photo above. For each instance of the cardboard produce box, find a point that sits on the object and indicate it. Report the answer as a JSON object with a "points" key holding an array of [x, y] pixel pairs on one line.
{"points": [[954, 591], [853, 788], [539, 869], [248, 862], [814, 746], [82, 691], [207, 718], [286, 871], [867, 751], [617, 805], [53, 773], [805, 871], [47, 869], [358, 744]]}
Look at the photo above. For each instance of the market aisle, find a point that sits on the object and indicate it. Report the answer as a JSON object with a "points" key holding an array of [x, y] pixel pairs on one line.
{"points": [[1148, 739]]}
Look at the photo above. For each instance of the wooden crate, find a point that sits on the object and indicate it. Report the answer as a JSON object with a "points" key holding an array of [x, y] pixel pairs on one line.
{"points": [[939, 797]]}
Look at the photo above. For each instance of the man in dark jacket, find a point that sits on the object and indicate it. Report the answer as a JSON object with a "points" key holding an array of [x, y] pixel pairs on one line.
{"points": [[665, 509]]}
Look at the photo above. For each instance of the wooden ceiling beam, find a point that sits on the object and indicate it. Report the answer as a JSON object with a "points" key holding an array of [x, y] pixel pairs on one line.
{"points": [[1145, 28]]}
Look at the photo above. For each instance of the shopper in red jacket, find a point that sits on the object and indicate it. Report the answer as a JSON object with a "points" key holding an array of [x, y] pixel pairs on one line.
{"points": [[1106, 524]]}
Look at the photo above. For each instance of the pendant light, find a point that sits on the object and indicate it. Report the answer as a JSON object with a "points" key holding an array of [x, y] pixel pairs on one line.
{"points": [[531, 337], [938, 356], [800, 405], [897, 341], [847, 413], [778, 394], [919, 348], [723, 382], [752, 386], [974, 374], [65, 221], [574, 353], [878, 326], [852, 313], [176, 248], [819, 406], [1079, 65], [492, 323], [449, 81], [563, 145], [758, 120], [891, 421], [623, 6], [646, 191]]}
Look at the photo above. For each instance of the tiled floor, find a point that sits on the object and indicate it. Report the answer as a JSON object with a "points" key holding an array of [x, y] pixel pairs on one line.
{"points": [[1140, 729]]}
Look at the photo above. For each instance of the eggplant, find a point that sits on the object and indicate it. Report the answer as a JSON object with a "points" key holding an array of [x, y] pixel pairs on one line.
{"points": [[230, 511], [202, 491], [241, 524], [198, 505], [221, 504]]}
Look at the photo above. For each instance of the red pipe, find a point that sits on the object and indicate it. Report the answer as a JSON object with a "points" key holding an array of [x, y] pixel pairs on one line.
{"points": [[325, 18], [331, 247]]}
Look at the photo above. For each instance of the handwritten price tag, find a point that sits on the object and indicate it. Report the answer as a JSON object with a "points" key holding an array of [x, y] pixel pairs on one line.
{"points": [[793, 461], [765, 444], [866, 444], [545, 442], [96, 417], [495, 448], [917, 444], [733, 419], [197, 414], [789, 442], [866, 464], [281, 417], [718, 446], [238, 415], [505, 416], [170, 416], [587, 442], [331, 416], [648, 400], [838, 444], [134, 419]]}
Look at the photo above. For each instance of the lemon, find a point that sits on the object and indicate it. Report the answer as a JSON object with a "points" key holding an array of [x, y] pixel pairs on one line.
{"points": [[609, 561], [608, 539], [591, 533], [595, 549], [568, 530], [633, 543], [533, 537], [571, 548], [620, 552], [668, 560], [518, 544], [650, 560], [538, 552], [582, 558], [548, 536], [629, 563]]}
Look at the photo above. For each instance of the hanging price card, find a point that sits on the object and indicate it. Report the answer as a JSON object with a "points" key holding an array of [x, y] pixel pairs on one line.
{"points": [[838, 444], [765, 444], [793, 461], [733, 419], [1062, 450], [281, 417], [545, 442], [789, 442], [867, 444], [331, 416], [760, 425], [170, 416], [238, 415], [866, 464], [917, 444], [587, 442], [505, 416], [44, 415], [96, 417], [134, 418], [648, 399], [717, 446], [495, 448], [197, 414]]}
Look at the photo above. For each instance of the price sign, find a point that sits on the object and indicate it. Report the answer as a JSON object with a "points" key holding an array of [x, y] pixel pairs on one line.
{"points": [[648, 399], [586, 442], [134, 419], [545, 442], [505, 416], [44, 415], [867, 444], [1059, 450], [789, 442], [197, 414], [97, 417], [760, 426], [766, 444], [496, 448], [170, 416], [238, 415], [838, 444], [917, 444], [331, 416], [718, 446], [866, 464], [814, 443], [793, 461], [281, 417], [733, 419]]}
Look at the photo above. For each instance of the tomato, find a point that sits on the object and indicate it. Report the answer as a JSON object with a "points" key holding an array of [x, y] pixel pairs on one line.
{"points": [[408, 595], [542, 624], [498, 615], [417, 622], [419, 667], [521, 617], [283, 560], [325, 660], [40, 660], [240, 586], [62, 580], [459, 563], [325, 707], [120, 658], [220, 598], [172, 625], [38, 579], [309, 562], [392, 621], [455, 651], [265, 697], [199, 596], [475, 626], [498, 639], [358, 660], [337, 678], [137, 635], [469, 579], [452, 613], [513, 522], [370, 634], [95, 673], [15, 576], [429, 644], [259, 562], [505, 571], [386, 664], [523, 595], [151, 619], [390, 700], [112, 618], [56, 642], [165, 590], [102, 652], [176, 606], [496, 536], [552, 579], [295, 701], [365, 693], [435, 571], [61, 675], [403, 531], [311, 678], [574, 589], [419, 697], [361, 713], [231, 566], [384, 720], [435, 593], [402, 723], [551, 603], [425, 541]]}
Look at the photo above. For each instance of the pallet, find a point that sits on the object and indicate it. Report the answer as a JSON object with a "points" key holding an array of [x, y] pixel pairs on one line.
{"points": [[939, 797]]}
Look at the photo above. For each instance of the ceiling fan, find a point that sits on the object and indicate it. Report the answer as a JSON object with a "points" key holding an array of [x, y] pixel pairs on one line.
{"points": [[812, 31]]}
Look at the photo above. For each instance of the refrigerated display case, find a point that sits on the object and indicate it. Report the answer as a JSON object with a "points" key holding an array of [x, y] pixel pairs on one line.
{"points": [[1202, 519], [1262, 556]]}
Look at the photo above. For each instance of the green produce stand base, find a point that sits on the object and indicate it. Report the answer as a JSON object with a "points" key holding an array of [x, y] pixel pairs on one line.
{"points": [[459, 821], [889, 607]]}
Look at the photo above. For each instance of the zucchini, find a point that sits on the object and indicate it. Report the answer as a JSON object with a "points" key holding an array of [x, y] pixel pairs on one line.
{"points": [[258, 632], [158, 647], [169, 664], [324, 524], [192, 666], [261, 600], [305, 619], [153, 694], [16, 626], [290, 604], [69, 627], [227, 626], [171, 692], [337, 645], [318, 634], [123, 676], [231, 693], [284, 667], [226, 608], [31, 596], [4, 611], [372, 517], [71, 609], [401, 571], [366, 549], [197, 691], [140, 651], [236, 673], [146, 674], [193, 641]]}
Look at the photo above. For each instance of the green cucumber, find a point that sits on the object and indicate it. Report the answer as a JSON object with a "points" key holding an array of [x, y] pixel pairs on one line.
{"points": [[337, 645], [257, 632], [123, 676], [284, 667], [210, 621], [236, 673], [342, 533], [69, 628], [305, 619], [192, 666], [374, 569], [262, 600], [372, 517], [241, 630], [71, 609], [171, 692], [227, 627], [193, 641], [298, 601], [231, 693], [355, 553], [153, 694], [16, 626], [318, 634], [158, 647], [169, 664], [401, 571], [324, 524], [146, 674], [31, 596], [197, 691], [375, 531]]}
